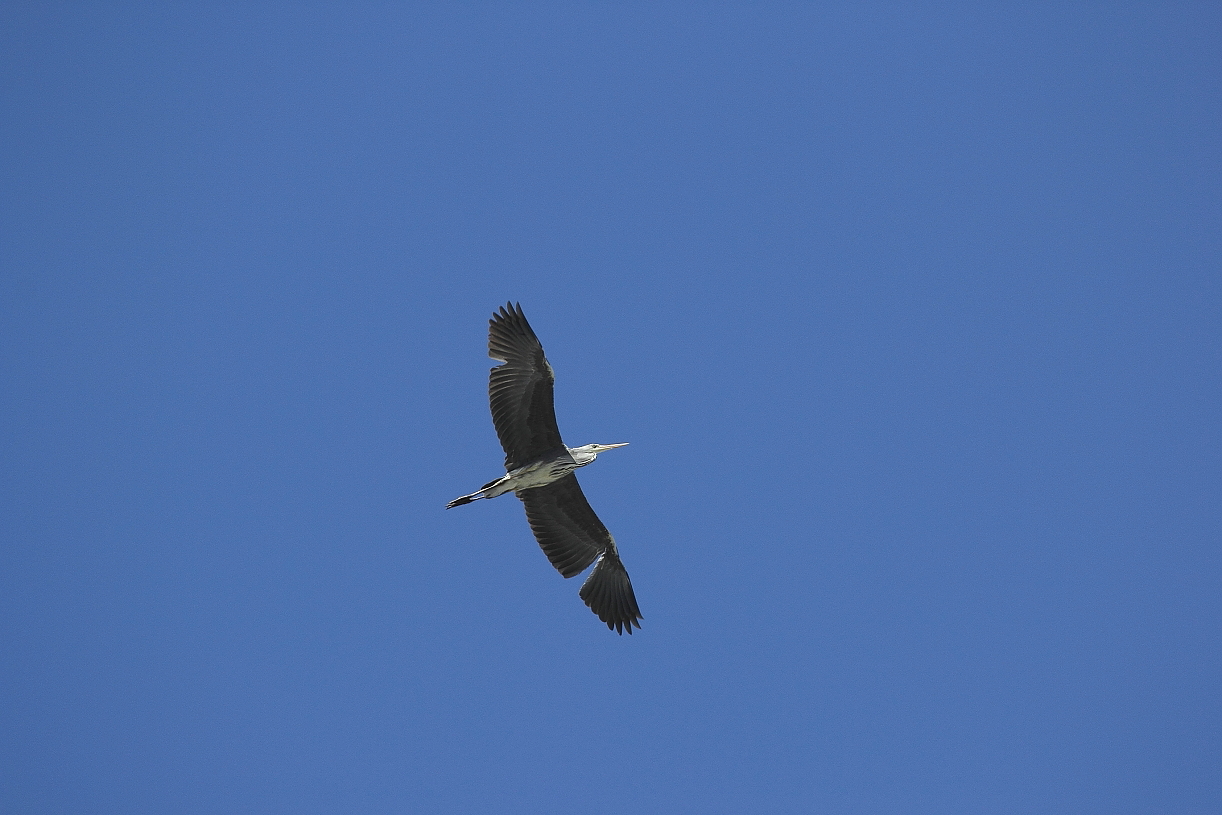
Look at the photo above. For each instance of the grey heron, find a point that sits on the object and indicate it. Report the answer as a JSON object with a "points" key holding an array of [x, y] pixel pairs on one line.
{"points": [[539, 470]]}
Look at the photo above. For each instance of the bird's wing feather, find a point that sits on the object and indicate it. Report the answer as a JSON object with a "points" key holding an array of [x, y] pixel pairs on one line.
{"points": [[520, 390], [565, 525], [608, 593], [573, 537]]}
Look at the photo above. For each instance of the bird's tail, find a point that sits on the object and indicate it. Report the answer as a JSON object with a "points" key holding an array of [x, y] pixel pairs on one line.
{"points": [[608, 593]]}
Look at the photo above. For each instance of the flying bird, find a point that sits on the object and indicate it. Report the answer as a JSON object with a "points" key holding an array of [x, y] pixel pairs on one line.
{"points": [[539, 470]]}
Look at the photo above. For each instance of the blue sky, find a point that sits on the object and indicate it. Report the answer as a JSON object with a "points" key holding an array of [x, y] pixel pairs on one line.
{"points": [[911, 316]]}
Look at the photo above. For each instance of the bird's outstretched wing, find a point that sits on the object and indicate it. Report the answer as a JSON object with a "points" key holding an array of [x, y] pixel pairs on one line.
{"points": [[520, 390], [572, 537]]}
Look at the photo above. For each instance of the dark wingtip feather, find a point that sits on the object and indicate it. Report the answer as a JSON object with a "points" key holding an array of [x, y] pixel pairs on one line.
{"points": [[608, 593], [510, 335]]}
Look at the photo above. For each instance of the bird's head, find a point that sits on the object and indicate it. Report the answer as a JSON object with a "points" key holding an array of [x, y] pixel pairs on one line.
{"points": [[588, 452]]}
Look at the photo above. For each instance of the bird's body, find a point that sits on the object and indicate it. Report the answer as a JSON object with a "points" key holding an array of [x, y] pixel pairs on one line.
{"points": [[539, 470], [551, 467]]}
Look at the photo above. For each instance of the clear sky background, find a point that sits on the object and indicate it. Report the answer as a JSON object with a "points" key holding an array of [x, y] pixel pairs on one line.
{"points": [[912, 317]]}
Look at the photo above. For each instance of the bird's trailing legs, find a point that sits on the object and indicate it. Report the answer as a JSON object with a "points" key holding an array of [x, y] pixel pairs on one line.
{"points": [[486, 491]]}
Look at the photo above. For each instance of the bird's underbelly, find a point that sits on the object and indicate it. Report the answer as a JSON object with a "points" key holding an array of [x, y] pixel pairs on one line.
{"points": [[539, 474]]}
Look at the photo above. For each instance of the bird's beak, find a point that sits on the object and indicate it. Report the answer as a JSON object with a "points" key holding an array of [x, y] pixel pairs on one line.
{"points": [[609, 446]]}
